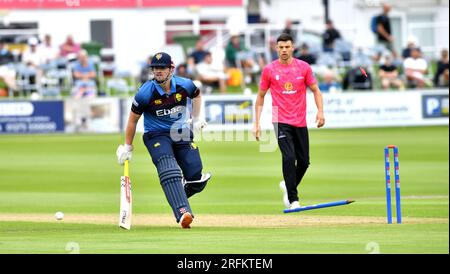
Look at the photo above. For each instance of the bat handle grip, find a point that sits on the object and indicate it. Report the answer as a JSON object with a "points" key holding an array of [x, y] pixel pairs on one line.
{"points": [[125, 169]]}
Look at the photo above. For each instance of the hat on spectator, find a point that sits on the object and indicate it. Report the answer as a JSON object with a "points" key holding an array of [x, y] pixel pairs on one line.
{"points": [[33, 41]]}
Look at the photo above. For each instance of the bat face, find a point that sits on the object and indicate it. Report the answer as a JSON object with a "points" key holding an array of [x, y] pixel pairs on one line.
{"points": [[125, 201]]}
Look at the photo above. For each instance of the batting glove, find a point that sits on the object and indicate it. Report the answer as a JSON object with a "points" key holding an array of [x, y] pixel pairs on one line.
{"points": [[198, 124], [124, 152]]}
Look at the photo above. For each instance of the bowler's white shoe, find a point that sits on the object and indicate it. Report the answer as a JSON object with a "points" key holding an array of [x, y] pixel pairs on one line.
{"points": [[285, 195], [294, 205]]}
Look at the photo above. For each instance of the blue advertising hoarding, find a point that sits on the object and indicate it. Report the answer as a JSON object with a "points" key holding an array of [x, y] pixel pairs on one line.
{"points": [[31, 117], [435, 105]]}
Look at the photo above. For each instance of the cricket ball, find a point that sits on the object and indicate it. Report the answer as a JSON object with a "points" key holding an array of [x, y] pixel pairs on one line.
{"points": [[59, 215]]}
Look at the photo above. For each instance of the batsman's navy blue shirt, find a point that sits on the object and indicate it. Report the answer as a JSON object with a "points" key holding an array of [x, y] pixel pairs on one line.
{"points": [[163, 111]]}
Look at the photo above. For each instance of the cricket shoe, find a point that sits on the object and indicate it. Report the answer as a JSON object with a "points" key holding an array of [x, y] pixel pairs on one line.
{"points": [[186, 220], [285, 195], [294, 205]]}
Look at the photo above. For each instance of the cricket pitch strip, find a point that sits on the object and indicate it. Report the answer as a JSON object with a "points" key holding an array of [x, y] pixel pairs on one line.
{"points": [[218, 220]]}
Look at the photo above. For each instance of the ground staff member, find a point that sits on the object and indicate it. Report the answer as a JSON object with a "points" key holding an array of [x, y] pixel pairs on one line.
{"points": [[168, 136], [287, 78]]}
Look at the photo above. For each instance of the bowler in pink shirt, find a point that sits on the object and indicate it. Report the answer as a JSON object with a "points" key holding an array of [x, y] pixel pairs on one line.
{"points": [[287, 79]]}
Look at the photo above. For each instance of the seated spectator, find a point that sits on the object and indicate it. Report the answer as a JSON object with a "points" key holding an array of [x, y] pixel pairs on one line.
{"points": [[8, 78], [48, 51], [388, 74], [235, 52], [441, 76], [84, 74], [182, 71], [31, 56], [406, 52], [33, 60], [304, 55], [5, 55], [209, 74], [329, 82], [415, 69], [69, 48], [237, 56], [329, 36], [273, 50], [145, 73], [198, 54]]}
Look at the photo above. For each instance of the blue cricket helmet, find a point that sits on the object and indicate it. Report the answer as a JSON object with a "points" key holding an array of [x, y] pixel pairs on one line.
{"points": [[161, 60]]}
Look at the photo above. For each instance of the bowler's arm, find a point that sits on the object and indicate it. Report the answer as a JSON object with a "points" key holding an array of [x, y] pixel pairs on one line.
{"points": [[320, 118], [259, 104]]}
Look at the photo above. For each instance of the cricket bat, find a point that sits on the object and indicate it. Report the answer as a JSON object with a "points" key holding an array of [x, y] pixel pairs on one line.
{"points": [[125, 199]]}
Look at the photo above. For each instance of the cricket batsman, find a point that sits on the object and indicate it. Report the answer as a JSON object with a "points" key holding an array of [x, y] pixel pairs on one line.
{"points": [[164, 101], [288, 79]]}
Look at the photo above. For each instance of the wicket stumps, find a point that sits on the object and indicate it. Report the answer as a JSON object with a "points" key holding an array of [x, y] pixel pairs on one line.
{"points": [[388, 184]]}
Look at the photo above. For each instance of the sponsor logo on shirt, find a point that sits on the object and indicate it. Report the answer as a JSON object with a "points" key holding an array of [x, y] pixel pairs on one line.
{"points": [[157, 102], [178, 97], [288, 86], [164, 112]]}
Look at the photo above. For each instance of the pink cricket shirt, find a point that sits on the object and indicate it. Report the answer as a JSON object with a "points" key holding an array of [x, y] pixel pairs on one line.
{"points": [[287, 84]]}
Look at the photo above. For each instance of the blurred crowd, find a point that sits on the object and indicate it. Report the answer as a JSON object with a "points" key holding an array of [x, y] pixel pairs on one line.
{"points": [[42, 69]]}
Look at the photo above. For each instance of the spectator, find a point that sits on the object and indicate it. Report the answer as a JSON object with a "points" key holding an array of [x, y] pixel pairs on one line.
{"points": [[182, 71], [329, 82], [237, 56], [32, 57], [441, 76], [406, 52], [5, 55], [85, 76], [329, 36], [384, 32], [289, 30], [415, 69], [388, 74], [69, 48], [234, 47], [48, 51], [209, 74], [7, 78], [145, 73], [198, 54], [273, 50], [304, 55]]}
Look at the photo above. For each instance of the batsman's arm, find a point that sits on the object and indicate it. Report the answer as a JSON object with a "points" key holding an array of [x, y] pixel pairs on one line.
{"points": [[320, 118], [258, 110], [131, 128], [196, 106]]}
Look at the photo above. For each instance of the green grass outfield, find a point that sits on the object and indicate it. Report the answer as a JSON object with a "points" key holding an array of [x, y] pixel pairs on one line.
{"points": [[240, 211]]}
